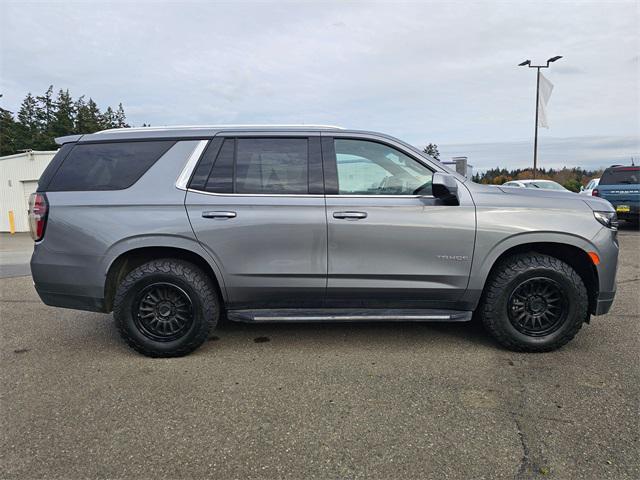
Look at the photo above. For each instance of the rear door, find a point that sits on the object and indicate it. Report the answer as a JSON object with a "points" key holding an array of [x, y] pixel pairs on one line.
{"points": [[391, 244], [256, 203]]}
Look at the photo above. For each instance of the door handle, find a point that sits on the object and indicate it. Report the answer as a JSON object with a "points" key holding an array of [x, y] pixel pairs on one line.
{"points": [[350, 215], [219, 215]]}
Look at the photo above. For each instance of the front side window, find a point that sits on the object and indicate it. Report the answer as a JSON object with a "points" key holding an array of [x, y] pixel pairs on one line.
{"points": [[371, 168]]}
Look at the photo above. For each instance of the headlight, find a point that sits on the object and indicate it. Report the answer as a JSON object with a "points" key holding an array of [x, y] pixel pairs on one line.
{"points": [[608, 219]]}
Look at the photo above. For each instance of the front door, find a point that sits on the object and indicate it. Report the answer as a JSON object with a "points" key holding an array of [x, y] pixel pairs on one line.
{"points": [[391, 244], [256, 204]]}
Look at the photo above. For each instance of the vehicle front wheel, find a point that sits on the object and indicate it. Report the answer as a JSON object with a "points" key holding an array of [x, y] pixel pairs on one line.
{"points": [[534, 303], [166, 308]]}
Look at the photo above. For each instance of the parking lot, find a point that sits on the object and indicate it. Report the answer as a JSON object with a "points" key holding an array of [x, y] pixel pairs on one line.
{"points": [[315, 401]]}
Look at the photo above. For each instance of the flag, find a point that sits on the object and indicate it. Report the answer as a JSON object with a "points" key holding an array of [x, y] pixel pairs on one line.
{"points": [[544, 92]]}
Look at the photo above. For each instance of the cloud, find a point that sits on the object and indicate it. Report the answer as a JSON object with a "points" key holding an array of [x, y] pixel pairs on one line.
{"points": [[442, 72], [590, 152]]}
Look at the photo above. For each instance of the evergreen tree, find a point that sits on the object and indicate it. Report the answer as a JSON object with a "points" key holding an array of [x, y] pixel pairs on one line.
{"points": [[46, 110], [83, 120], [27, 132], [121, 119], [41, 119], [109, 119], [8, 131], [432, 149], [94, 117], [64, 117]]}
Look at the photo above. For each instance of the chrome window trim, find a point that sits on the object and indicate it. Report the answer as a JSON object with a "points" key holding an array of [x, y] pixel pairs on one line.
{"points": [[314, 195], [256, 194], [378, 196], [185, 175]]}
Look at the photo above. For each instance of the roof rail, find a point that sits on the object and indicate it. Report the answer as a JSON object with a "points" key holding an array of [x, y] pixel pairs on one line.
{"points": [[210, 127]]}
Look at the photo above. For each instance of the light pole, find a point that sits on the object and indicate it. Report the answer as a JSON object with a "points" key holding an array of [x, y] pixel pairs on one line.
{"points": [[527, 63]]}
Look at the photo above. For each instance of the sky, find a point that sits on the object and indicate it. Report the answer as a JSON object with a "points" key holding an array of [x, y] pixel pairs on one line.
{"points": [[441, 72]]}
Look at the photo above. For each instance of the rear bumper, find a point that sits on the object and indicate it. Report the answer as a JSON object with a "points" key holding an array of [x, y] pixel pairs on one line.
{"points": [[67, 280], [76, 302]]}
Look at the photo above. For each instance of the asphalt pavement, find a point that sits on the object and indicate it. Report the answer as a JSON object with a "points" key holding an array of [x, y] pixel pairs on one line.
{"points": [[317, 401]]}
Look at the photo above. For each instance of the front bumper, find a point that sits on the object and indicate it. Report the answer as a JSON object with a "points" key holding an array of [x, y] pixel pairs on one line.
{"points": [[607, 248], [604, 303]]}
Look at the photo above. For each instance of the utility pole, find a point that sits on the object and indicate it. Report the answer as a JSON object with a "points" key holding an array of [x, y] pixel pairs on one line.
{"points": [[535, 137]]}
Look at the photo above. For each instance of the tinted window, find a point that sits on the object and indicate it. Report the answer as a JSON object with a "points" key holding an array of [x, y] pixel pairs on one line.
{"points": [[617, 176], [370, 168], [202, 171], [107, 166], [272, 165], [221, 178], [53, 166]]}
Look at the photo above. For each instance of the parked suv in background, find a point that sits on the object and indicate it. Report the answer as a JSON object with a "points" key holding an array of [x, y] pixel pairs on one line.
{"points": [[620, 185], [171, 227]]}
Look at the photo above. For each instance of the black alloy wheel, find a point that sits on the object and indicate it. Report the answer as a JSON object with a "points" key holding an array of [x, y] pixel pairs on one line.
{"points": [[537, 307], [163, 312]]}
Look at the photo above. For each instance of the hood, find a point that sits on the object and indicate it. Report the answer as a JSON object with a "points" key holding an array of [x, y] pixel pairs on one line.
{"points": [[540, 197], [596, 203], [536, 192]]}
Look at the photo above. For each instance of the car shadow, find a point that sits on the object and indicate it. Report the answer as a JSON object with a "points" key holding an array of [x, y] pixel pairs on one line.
{"points": [[628, 227], [470, 333]]}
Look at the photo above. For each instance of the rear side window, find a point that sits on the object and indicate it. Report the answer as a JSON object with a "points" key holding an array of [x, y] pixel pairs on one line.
{"points": [[618, 176], [255, 166], [272, 165], [107, 166]]}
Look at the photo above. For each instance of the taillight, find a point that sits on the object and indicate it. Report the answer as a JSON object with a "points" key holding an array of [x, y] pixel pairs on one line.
{"points": [[38, 210], [595, 192]]}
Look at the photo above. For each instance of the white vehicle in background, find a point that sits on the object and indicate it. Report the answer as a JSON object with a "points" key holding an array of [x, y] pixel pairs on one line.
{"points": [[542, 184], [588, 190]]}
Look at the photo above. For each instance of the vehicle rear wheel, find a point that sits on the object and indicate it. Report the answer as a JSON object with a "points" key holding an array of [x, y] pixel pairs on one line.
{"points": [[166, 308], [534, 303]]}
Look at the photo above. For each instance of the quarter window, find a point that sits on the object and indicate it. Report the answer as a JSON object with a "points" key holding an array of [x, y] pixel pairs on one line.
{"points": [[221, 177], [107, 166], [371, 168]]}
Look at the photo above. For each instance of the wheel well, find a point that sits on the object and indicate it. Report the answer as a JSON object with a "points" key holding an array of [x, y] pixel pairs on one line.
{"points": [[577, 258], [126, 262]]}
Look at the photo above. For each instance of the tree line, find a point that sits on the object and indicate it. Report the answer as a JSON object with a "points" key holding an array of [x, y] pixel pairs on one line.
{"points": [[570, 178], [42, 118]]}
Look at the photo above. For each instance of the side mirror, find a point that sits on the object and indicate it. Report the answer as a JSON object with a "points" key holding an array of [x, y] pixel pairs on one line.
{"points": [[445, 188], [582, 188]]}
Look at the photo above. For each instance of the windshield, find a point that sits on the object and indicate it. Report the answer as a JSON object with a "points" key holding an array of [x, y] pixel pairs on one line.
{"points": [[617, 176], [546, 185]]}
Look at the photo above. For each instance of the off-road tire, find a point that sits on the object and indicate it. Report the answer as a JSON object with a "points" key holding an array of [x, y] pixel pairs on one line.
{"points": [[505, 279], [184, 275]]}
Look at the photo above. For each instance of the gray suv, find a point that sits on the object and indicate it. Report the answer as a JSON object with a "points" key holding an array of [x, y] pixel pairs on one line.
{"points": [[172, 228]]}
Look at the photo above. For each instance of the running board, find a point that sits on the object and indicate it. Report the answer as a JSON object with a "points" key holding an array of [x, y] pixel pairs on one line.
{"points": [[294, 315]]}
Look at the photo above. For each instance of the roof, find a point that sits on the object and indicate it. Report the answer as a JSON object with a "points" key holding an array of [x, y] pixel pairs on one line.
{"points": [[189, 131]]}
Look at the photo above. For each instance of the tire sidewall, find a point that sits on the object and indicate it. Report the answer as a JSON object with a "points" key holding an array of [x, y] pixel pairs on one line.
{"points": [[572, 299], [125, 314]]}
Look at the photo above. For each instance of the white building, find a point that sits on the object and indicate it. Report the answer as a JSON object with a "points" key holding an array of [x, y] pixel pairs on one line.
{"points": [[460, 165], [19, 176]]}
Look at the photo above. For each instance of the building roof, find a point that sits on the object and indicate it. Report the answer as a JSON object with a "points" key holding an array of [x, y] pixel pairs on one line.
{"points": [[29, 153]]}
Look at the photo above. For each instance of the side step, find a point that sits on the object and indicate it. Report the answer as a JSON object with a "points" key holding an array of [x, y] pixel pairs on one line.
{"points": [[294, 315]]}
